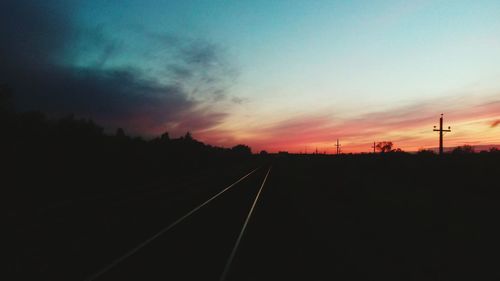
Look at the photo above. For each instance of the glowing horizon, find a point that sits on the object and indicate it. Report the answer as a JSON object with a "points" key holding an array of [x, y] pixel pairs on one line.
{"points": [[409, 128]]}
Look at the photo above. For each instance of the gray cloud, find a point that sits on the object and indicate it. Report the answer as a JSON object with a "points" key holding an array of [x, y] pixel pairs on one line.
{"points": [[39, 39]]}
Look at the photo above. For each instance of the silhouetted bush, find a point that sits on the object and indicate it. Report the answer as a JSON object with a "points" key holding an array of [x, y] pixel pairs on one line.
{"points": [[426, 152], [398, 150], [464, 149]]}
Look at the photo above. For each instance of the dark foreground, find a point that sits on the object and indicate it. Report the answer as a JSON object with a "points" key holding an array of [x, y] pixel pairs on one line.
{"points": [[384, 217]]}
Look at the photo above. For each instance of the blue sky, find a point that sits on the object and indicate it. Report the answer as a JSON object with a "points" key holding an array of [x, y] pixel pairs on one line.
{"points": [[257, 65], [302, 50]]}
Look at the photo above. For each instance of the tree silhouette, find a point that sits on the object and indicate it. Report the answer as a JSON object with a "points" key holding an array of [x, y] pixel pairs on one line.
{"points": [[242, 149], [165, 137], [188, 136], [384, 146], [120, 133]]}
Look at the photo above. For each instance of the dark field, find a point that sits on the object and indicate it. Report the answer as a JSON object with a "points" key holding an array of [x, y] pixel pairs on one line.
{"points": [[376, 218], [362, 217]]}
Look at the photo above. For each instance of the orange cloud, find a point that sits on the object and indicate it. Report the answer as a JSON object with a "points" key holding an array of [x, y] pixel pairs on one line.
{"points": [[495, 123]]}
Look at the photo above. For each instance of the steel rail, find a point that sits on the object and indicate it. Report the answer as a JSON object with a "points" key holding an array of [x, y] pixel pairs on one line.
{"points": [[240, 236], [161, 232]]}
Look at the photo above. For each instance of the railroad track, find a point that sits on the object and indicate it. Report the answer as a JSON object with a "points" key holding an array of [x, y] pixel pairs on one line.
{"points": [[200, 244]]}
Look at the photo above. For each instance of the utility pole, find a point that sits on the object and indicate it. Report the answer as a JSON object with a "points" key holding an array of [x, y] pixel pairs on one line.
{"points": [[374, 146], [338, 147], [441, 131]]}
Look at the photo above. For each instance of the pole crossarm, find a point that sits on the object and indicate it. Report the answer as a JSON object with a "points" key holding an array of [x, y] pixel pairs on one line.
{"points": [[441, 131], [338, 147]]}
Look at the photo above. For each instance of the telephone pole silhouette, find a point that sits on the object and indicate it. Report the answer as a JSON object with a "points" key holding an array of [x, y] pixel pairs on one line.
{"points": [[374, 146], [338, 147], [441, 131]]}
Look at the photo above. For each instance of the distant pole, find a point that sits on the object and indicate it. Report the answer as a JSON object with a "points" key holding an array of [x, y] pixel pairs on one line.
{"points": [[441, 131], [374, 146], [338, 147]]}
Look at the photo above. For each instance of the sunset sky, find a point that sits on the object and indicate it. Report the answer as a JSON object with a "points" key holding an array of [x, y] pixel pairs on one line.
{"points": [[276, 75]]}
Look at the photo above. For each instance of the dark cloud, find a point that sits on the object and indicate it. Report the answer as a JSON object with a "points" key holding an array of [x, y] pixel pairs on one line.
{"points": [[111, 96], [33, 32], [495, 123], [40, 40]]}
